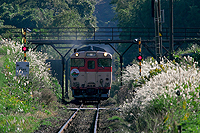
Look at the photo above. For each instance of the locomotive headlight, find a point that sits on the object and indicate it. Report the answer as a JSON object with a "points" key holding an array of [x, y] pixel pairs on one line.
{"points": [[105, 54], [77, 54]]}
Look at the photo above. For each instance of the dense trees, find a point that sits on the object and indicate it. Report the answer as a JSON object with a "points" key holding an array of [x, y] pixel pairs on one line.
{"points": [[138, 13], [133, 13], [47, 13]]}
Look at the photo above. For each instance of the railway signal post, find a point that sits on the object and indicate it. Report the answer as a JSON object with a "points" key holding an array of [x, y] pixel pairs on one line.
{"points": [[22, 68], [139, 57], [24, 48]]}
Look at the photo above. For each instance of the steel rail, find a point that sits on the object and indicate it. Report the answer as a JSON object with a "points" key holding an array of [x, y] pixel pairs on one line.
{"points": [[96, 120], [69, 120], [117, 108], [96, 116]]}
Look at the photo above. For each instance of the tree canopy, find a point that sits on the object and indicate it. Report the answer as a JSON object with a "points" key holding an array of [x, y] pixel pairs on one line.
{"points": [[47, 13], [138, 13]]}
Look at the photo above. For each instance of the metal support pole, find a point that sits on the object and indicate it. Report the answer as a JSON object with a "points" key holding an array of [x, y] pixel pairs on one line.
{"points": [[171, 31], [24, 56], [63, 71], [179, 128], [147, 48], [24, 41], [121, 61], [36, 47], [66, 78], [157, 30], [160, 25], [121, 57], [94, 33], [63, 66], [140, 54]]}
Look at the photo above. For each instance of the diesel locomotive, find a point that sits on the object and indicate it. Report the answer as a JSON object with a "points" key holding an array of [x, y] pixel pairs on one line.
{"points": [[90, 73]]}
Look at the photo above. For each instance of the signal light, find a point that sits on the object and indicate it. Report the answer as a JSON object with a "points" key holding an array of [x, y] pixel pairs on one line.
{"points": [[24, 48], [105, 54], [139, 57], [77, 54]]}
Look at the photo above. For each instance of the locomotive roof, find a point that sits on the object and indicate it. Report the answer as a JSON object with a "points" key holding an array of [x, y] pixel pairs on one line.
{"points": [[91, 48]]}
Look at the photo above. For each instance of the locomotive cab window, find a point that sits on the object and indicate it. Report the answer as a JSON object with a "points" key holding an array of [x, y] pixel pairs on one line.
{"points": [[91, 64], [104, 62], [77, 62]]}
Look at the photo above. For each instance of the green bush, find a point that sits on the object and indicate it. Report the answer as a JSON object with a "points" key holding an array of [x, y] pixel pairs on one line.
{"points": [[24, 96]]}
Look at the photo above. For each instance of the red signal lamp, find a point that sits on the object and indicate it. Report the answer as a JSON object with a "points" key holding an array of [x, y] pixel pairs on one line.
{"points": [[139, 57], [24, 48]]}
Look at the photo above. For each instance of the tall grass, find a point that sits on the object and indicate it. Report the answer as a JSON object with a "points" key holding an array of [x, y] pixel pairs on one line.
{"points": [[22, 99], [164, 98]]}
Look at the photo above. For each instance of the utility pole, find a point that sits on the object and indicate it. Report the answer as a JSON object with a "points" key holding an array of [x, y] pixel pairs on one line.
{"points": [[171, 31], [160, 25], [157, 21]]}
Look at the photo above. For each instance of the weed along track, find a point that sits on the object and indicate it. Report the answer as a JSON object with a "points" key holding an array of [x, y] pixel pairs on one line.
{"points": [[84, 119], [70, 119], [75, 117]]}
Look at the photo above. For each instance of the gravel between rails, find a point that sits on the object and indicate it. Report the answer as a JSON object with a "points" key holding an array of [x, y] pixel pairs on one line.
{"points": [[108, 121], [105, 122], [83, 122]]}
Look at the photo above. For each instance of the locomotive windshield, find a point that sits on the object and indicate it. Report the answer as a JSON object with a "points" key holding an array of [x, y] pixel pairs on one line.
{"points": [[91, 64], [104, 62], [77, 62]]}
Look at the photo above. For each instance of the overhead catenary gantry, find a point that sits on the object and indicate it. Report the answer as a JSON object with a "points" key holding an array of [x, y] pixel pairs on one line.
{"points": [[86, 42], [106, 35]]}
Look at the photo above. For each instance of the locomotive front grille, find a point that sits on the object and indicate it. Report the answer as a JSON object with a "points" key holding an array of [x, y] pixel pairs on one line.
{"points": [[91, 91], [91, 85], [107, 84], [75, 84]]}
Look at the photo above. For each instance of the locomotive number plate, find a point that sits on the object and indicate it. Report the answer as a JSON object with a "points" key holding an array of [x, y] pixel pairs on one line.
{"points": [[75, 72]]}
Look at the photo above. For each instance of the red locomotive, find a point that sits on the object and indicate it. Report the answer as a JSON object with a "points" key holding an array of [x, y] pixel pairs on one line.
{"points": [[91, 73]]}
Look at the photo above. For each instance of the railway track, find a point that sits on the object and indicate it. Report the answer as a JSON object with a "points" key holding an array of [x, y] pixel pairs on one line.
{"points": [[62, 130], [89, 118], [88, 114]]}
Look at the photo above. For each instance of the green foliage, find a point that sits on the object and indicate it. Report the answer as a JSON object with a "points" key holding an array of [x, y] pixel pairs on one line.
{"points": [[22, 99], [115, 118], [90, 106], [166, 113], [47, 123], [133, 13], [47, 13], [17, 123], [138, 13], [115, 88], [168, 110], [193, 51], [179, 111]]}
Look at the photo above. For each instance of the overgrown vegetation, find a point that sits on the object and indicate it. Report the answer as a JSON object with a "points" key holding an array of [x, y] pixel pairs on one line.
{"points": [[24, 100], [165, 97]]}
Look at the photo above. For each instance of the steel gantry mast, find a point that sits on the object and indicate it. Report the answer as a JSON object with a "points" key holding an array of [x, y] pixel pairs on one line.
{"points": [[158, 29], [171, 31]]}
